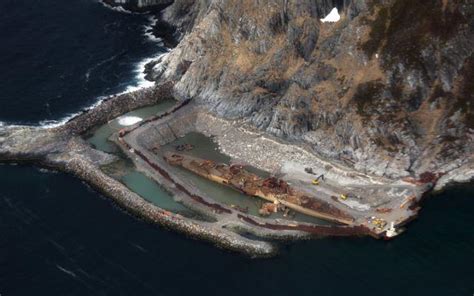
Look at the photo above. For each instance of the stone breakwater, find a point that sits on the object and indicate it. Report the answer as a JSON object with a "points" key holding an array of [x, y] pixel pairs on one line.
{"points": [[141, 208], [63, 149], [116, 105]]}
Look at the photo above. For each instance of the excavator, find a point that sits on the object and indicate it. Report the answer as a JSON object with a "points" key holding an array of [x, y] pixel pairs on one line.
{"points": [[343, 196], [316, 181]]}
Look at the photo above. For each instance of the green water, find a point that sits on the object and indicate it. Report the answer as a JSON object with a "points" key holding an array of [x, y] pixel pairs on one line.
{"points": [[124, 170], [206, 148], [100, 137], [151, 191]]}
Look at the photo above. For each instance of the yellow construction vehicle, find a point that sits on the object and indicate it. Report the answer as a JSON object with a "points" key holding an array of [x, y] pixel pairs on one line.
{"points": [[343, 196], [316, 181], [378, 222]]}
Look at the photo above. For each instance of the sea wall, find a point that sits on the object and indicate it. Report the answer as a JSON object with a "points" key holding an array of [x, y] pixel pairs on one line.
{"points": [[64, 149], [136, 205], [116, 105]]}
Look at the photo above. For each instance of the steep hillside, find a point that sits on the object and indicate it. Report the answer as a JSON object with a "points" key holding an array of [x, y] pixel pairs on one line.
{"points": [[388, 89]]}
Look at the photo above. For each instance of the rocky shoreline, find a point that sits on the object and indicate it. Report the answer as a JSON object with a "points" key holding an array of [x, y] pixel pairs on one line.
{"points": [[63, 148], [274, 112]]}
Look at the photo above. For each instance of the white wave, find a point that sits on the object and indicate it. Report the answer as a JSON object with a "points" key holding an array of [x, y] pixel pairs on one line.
{"points": [[148, 29], [332, 17], [149, 34], [139, 83], [91, 69], [129, 120], [56, 123], [66, 271], [47, 171], [140, 80], [116, 8]]}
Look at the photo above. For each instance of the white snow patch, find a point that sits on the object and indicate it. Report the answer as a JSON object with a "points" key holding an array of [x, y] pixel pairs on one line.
{"points": [[129, 120], [332, 17]]}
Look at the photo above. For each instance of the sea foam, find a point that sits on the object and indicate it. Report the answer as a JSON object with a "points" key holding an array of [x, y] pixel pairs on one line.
{"points": [[138, 83], [149, 30], [116, 8]]}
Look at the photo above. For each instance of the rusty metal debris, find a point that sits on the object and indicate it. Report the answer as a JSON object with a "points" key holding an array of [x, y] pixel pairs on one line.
{"points": [[184, 147], [272, 189], [267, 209]]}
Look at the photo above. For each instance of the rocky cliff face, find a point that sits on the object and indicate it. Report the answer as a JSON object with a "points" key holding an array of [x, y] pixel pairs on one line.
{"points": [[388, 89]]}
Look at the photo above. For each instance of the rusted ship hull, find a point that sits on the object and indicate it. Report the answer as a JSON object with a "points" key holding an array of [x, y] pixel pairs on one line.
{"points": [[270, 189]]}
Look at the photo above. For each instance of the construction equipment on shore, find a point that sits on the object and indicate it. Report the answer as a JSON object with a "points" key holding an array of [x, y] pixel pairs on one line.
{"points": [[316, 181], [272, 189], [343, 196], [378, 222]]}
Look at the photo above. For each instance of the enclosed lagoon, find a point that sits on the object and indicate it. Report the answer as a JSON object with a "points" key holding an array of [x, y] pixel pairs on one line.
{"points": [[203, 147], [100, 136], [124, 170], [206, 148]]}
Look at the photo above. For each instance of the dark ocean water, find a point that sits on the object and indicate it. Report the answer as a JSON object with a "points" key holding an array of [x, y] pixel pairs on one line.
{"points": [[59, 237], [57, 57]]}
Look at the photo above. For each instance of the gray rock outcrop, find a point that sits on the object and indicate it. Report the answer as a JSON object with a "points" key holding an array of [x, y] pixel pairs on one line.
{"points": [[388, 89]]}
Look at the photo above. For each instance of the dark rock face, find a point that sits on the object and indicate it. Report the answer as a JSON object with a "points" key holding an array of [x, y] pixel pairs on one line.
{"points": [[389, 87]]}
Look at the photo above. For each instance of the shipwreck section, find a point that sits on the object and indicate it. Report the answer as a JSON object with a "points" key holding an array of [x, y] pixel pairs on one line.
{"points": [[271, 189], [377, 207], [331, 200], [378, 102]]}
